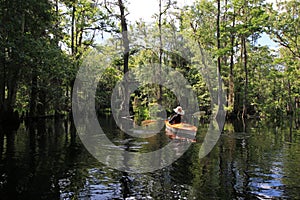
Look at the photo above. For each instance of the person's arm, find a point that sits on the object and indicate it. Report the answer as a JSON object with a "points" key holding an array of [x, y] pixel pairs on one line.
{"points": [[172, 119]]}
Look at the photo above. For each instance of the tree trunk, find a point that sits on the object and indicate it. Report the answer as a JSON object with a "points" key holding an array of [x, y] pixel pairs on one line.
{"points": [[125, 40], [231, 66], [33, 95], [245, 60], [2, 87], [124, 35], [12, 85], [41, 107], [159, 92], [220, 90], [221, 113], [73, 29], [290, 109], [73, 44], [2, 80]]}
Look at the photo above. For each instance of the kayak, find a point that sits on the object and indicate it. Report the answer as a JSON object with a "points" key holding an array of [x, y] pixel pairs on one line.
{"points": [[182, 130], [149, 122]]}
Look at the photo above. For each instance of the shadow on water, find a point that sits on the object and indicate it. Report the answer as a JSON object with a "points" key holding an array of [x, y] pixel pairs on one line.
{"points": [[45, 159], [34, 158]]}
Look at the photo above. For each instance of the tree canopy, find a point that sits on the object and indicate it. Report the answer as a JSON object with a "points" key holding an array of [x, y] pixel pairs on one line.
{"points": [[43, 44]]}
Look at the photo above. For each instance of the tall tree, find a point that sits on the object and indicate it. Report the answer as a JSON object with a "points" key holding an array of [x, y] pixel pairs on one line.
{"points": [[251, 19], [124, 31], [162, 10], [284, 29], [22, 35], [120, 16], [219, 68], [232, 36], [83, 22], [285, 26]]}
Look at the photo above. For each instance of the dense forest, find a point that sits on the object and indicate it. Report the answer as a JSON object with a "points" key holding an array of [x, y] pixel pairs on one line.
{"points": [[43, 44]]}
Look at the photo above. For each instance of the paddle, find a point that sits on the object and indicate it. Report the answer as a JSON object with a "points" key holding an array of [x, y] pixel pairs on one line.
{"points": [[199, 114]]}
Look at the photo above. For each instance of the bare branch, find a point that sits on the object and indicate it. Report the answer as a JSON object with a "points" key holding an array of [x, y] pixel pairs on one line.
{"points": [[284, 43]]}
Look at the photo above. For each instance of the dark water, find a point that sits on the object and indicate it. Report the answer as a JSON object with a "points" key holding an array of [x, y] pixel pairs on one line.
{"points": [[48, 161]]}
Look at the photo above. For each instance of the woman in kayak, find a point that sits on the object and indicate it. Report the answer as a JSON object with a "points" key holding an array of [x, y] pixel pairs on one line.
{"points": [[176, 118]]}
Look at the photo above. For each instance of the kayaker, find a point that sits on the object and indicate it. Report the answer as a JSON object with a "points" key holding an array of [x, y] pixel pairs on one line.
{"points": [[176, 118]]}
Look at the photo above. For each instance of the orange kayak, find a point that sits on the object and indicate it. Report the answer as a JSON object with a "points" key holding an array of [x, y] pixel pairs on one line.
{"points": [[183, 130]]}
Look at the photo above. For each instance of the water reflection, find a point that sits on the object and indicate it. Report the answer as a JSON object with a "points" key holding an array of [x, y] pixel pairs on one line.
{"points": [[267, 184], [47, 160]]}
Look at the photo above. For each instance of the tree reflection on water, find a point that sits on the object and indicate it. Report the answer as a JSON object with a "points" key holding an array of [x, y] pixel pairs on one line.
{"points": [[46, 160]]}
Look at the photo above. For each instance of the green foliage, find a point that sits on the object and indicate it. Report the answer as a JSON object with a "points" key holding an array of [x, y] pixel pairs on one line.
{"points": [[285, 26], [106, 84], [43, 43]]}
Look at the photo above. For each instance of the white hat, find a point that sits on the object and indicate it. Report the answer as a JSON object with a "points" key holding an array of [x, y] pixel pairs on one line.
{"points": [[179, 110]]}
